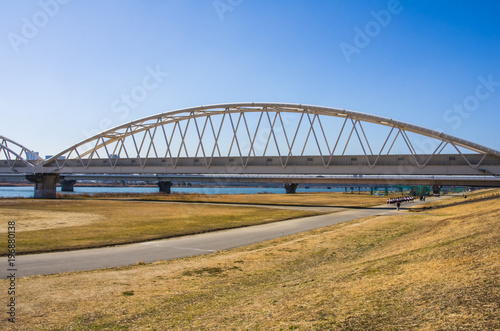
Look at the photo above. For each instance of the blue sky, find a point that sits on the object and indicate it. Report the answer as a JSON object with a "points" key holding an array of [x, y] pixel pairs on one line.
{"points": [[66, 65]]}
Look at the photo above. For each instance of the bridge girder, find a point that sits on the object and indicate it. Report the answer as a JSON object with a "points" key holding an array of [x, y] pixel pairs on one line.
{"points": [[443, 165]]}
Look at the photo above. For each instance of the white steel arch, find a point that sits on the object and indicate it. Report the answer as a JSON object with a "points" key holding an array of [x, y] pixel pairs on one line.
{"points": [[139, 139]]}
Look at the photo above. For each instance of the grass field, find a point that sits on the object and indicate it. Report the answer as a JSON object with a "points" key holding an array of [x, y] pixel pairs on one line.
{"points": [[434, 270], [303, 199], [54, 225], [83, 221]]}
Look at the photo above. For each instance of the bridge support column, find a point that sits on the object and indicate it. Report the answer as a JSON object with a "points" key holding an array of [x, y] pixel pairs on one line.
{"points": [[68, 185], [291, 188], [45, 185], [165, 186], [436, 190]]}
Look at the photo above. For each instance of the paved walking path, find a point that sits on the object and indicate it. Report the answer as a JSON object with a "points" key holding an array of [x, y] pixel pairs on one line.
{"points": [[99, 258]]}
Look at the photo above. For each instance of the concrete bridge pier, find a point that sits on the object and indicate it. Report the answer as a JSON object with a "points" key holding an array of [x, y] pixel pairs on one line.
{"points": [[68, 185], [291, 188], [45, 185], [165, 186], [436, 190]]}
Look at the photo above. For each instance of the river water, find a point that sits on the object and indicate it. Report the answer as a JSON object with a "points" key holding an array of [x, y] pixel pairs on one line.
{"points": [[27, 191]]}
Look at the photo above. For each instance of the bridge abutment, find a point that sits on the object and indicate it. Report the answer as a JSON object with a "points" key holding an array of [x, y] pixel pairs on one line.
{"points": [[68, 185], [165, 186], [45, 185], [291, 188]]}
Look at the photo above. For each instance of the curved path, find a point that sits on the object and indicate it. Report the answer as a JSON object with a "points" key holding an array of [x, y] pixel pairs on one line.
{"points": [[99, 258]]}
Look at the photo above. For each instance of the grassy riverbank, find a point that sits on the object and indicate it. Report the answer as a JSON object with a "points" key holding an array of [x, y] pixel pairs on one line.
{"points": [[434, 270], [464, 198]]}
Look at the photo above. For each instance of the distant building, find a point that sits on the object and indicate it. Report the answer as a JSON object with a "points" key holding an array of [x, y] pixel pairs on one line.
{"points": [[32, 155]]}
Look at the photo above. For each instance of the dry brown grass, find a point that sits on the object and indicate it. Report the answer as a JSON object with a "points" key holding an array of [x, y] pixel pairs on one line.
{"points": [[95, 223], [32, 220], [464, 198], [331, 199], [433, 271]]}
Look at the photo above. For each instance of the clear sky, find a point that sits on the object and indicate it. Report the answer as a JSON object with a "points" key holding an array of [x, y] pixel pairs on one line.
{"points": [[69, 69]]}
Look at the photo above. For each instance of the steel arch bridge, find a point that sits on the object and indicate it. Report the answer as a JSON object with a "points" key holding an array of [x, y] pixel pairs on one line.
{"points": [[16, 157], [289, 143]]}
